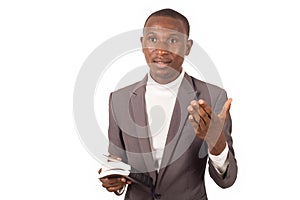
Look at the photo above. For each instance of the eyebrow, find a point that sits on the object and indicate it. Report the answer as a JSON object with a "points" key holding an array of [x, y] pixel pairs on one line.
{"points": [[174, 34], [149, 33], [171, 35]]}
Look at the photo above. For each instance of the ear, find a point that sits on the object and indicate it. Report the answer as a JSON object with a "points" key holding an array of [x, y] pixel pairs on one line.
{"points": [[142, 43], [141, 40], [189, 45]]}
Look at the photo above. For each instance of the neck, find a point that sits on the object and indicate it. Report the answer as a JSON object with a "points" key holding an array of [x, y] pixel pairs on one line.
{"points": [[167, 78]]}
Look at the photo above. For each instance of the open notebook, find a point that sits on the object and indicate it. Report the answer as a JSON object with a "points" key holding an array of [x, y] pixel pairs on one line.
{"points": [[113, 168]]}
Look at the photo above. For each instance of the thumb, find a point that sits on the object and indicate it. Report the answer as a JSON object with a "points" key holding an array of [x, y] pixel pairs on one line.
{"points": [[225, 109]]}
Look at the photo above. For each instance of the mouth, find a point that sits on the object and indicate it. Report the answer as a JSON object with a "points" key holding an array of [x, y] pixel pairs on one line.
{"points": [[162, 62]]}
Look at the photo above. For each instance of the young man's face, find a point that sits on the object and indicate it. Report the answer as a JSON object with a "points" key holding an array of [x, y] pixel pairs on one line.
{"points": [[165, 43]]}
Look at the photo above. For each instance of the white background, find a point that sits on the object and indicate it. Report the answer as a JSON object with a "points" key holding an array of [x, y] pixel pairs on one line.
{"points": [[254, 44]]}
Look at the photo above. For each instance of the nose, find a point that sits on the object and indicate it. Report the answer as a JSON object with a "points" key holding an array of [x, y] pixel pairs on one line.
{"points": [[161, 48], [162, 51]]}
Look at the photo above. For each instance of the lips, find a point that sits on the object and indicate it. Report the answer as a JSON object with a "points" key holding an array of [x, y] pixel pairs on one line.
{"points": [[162, 62]]}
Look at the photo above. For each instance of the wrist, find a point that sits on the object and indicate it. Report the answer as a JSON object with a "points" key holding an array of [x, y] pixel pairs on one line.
{"points": [[218, 147]]}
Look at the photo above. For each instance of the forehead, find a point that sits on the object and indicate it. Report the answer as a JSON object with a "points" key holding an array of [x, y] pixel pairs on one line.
{"points": [[164, 23]]}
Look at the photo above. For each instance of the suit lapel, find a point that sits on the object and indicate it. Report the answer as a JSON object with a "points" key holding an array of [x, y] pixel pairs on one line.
{"points": [[186, 94], [139, 114]]}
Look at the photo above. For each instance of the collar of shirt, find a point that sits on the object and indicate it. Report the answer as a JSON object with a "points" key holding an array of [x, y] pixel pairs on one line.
{"points": [[172, 86]]}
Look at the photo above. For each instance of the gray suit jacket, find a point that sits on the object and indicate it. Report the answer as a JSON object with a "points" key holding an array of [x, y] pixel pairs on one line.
{"points": [[181, 175]]}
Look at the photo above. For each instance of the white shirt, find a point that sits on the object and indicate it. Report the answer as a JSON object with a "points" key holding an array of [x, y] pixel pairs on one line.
{"points": [[160, 101]]}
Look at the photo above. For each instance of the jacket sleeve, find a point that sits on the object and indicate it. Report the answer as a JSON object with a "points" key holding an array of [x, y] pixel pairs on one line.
{"points": [[228, 178], [116, 143]]}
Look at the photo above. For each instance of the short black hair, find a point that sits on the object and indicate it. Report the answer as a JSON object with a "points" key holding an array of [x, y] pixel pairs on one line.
{"points": [[167, 12]]}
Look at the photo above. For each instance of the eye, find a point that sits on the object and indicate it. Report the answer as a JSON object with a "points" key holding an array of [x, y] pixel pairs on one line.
{"points": [[153, 39], [172, 40]]}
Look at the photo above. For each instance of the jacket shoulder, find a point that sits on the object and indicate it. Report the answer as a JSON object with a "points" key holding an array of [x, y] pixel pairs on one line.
{"points": [[199, 84], [214, 95], [125, 90]]}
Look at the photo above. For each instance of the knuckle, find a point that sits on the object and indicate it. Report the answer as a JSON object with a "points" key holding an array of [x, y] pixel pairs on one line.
{"points": [[194, 102]]}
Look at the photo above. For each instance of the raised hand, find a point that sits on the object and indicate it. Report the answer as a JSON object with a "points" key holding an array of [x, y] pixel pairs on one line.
{"points": [[208, 125]]}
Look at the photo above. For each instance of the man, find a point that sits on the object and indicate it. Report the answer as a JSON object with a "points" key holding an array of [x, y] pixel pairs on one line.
{"points": [[169, 124]]}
